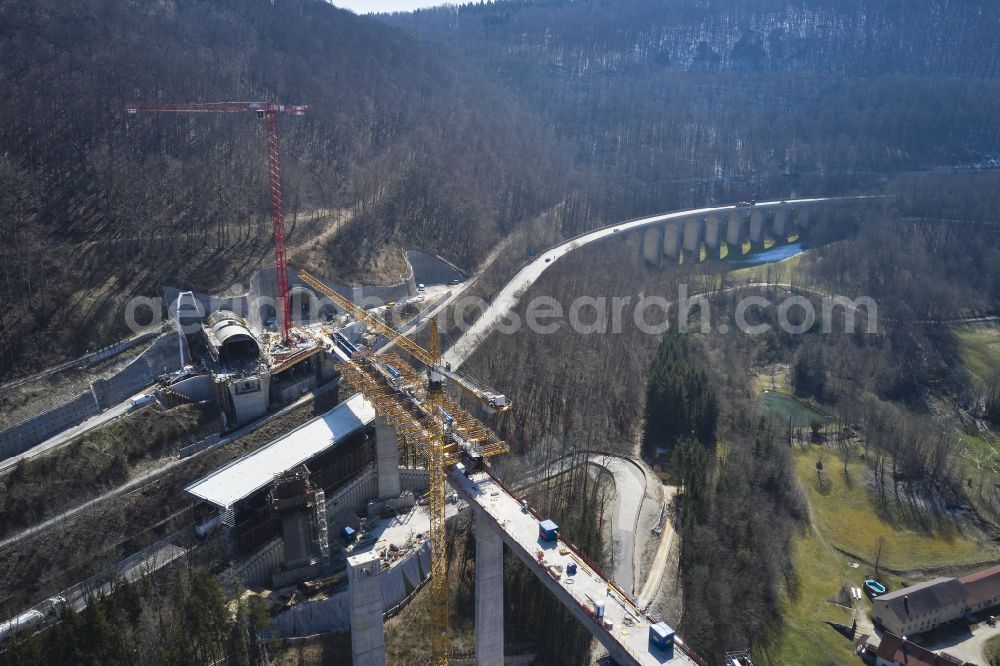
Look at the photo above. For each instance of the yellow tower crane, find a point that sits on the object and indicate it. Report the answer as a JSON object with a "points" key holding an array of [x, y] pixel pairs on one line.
{"points": [[429, 422]]}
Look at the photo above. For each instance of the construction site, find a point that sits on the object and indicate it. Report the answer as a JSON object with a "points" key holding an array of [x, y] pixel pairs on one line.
{"points": [[339, 522]]}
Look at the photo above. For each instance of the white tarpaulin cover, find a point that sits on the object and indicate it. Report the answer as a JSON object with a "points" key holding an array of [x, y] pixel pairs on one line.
{"points": [[244, 476]]}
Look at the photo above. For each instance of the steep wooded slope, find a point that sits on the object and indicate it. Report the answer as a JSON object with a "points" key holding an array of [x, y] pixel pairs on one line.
{"points": [[687, 101], [404, 145]]}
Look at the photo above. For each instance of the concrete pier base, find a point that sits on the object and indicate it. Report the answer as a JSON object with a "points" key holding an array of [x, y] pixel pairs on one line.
{"points": [[489, 593], [367, 632]]}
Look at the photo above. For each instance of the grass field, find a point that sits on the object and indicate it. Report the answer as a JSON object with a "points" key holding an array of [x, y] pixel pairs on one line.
{"points": [[980, 350], [845, 513], [806, 636], [845, 517], [978, 449]]}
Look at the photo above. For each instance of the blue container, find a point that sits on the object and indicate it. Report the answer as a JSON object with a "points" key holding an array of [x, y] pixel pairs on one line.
{"points": [[571, 568], [661, 636], [548, 531], [347, 533]]}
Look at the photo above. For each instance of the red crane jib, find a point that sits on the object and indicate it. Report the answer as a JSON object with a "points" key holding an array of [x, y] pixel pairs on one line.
{"points": [[268, 111]]}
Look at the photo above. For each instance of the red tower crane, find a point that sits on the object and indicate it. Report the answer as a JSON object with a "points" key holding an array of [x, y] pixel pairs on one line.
{"points": [[267, 111]]}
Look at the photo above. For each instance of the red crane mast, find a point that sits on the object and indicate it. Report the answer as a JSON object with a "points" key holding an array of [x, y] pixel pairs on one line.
{"points": [[267, 111]]}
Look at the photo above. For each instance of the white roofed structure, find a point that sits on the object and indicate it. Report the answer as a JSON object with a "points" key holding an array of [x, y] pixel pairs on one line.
{"points": [[244, 476]]}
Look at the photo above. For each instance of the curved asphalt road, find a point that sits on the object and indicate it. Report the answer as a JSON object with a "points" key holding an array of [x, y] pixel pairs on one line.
{"points": [[527, 276], [630, 488]]}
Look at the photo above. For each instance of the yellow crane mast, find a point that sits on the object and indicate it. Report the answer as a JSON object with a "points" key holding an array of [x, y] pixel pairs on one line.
{"points": [[429, 424]]}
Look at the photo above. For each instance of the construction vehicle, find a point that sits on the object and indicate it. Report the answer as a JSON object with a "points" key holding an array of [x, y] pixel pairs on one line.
{"points": [[430, 425]]}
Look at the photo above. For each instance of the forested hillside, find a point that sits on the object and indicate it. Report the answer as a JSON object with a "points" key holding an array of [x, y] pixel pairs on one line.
{"points": [[404, 145], [689, 102]]}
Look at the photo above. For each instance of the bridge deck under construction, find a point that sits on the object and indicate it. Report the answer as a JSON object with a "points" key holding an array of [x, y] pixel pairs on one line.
{"points": [[627, 639]]}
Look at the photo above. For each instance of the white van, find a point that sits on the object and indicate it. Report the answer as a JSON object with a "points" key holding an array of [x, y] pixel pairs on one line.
{"points": [[141, 399]]}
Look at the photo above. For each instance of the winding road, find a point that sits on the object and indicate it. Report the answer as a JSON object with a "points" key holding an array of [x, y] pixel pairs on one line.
{"points": [[630, 489]]}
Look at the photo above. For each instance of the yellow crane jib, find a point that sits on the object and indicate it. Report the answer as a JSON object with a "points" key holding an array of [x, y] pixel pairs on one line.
{"points": [[493, 401]]}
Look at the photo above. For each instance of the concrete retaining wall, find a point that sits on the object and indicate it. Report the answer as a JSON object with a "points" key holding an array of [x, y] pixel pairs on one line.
{"points": [[413, 479], [396, 585], [201, 445], [197, 388], [354, 495], [260, 566], [290, 391], [161, 357], [21, 437], [119, 347]]}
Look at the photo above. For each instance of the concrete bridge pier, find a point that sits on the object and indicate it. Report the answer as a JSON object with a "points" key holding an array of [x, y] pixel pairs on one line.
{"points": [[652, 241], [693, 230], [672, 240], [756, 226], [734, 229], [779, 225], [713, 231], [489, 593], [802, 218], [367, 632]]}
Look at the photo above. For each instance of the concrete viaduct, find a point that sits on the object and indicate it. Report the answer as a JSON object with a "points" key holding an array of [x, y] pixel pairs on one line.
{"points": [[650, 233], [722, 228]]}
